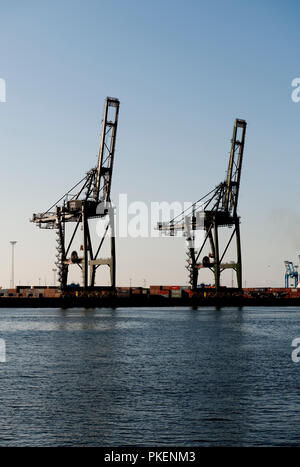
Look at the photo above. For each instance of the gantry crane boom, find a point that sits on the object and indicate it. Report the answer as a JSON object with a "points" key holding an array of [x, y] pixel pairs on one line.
{"points": [[86, 203]]}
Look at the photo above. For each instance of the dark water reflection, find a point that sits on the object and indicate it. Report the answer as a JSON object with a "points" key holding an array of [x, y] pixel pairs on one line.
{"points": [[149, 377]]}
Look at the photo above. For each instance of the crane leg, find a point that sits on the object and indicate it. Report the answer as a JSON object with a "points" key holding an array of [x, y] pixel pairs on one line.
{"points": [[239, 255], [85, 249], [217, 259], [113, 263], [61, 255]]}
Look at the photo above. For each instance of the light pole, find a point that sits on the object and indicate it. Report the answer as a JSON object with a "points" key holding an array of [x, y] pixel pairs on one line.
{"points": [[54, 276], [13, 242]]}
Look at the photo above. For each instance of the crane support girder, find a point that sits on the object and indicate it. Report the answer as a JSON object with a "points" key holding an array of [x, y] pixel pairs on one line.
{"points": [[230, 199], [107, 150]]}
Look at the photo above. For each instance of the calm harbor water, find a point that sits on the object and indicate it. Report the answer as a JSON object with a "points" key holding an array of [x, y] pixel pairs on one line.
{"points": [[160, 377]]}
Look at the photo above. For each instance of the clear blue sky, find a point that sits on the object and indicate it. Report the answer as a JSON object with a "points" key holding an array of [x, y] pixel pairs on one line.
{"points": [[183, 72]]}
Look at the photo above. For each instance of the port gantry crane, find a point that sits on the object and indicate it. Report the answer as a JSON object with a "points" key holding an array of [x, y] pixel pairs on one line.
{"points": [[92, 200], [215, 210], [290, 273]]}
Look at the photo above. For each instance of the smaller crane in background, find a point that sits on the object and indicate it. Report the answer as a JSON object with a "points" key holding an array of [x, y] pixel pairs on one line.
{"points": [[290, 273]]}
